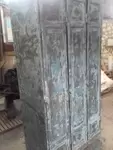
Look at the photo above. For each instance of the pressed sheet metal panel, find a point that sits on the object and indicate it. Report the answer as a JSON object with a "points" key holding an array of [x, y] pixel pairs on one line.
{"points": [[93, 73], [93, 68], [56, 96], [77, 71], [57, 43], [55, 72], [52, 12]]}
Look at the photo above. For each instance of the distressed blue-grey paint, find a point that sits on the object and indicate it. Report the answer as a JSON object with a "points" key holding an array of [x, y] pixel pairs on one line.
{"points": [[93, 67], [77, 71], [57, 50], [55, 81], [27, 46], [52, 16]]}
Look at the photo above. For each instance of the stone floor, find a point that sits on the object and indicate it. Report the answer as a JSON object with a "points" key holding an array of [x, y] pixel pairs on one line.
{"points": [[14, 140], [107, 121]]}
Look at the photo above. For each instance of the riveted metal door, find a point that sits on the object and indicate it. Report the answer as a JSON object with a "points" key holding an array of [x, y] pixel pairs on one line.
{"points": [[77, 70], [52, 16], [93, 67]]}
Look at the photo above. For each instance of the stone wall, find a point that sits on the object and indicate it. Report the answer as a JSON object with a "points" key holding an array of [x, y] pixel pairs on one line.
{"points": [[107, 32]]}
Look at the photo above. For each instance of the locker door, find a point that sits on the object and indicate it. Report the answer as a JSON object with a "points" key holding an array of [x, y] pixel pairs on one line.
{"points": [[77, 70], [52, 15], [93, 67]]}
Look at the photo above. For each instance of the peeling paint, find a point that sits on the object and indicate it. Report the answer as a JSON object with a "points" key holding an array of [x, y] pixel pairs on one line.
{"points": [[58, 71]]}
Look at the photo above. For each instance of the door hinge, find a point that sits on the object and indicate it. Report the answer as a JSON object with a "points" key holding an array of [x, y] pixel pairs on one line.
{"points": [[86, 18]]}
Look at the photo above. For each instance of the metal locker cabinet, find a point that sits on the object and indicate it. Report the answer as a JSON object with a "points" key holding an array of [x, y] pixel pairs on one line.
{"points": [[57, 43], [26, 31]]}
